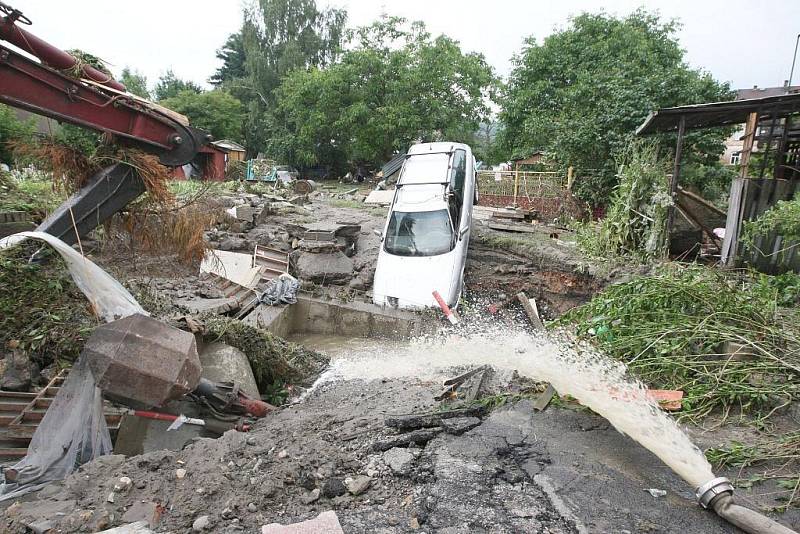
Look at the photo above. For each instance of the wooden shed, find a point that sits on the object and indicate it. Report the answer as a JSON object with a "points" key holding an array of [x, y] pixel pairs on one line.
{"points": [[770, 123]]}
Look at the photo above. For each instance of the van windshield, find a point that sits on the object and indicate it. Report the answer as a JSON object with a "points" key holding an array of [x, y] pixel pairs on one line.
{"points": [[419, 233]]}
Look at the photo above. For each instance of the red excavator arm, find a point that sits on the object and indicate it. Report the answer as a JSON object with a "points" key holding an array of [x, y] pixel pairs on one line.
{"points": [[63, 88]]}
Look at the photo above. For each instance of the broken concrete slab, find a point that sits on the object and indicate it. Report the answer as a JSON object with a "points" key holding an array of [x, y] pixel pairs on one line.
{"points": [[223, 363], [140, 527], [143, 360], [15, 221], [234, 266], [326, 268], [324, 523], [380, 198]]}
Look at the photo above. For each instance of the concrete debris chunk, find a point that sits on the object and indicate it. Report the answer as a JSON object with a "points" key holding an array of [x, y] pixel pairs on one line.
{"points": [[459, 425], [201, 523], [143, 360], [324, 523], [399, 460], [311, 496], [358, 485]]}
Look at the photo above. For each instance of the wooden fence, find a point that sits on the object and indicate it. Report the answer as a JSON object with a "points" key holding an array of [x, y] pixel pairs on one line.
{"points": [[545, 192], [750, 197]]}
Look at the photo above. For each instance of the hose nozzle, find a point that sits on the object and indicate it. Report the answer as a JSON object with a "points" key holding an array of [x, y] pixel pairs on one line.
{"points": [[712, 489]]}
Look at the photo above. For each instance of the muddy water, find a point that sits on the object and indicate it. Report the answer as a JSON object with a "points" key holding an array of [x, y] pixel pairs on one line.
{"points": [[593, 379], [337, 347]]}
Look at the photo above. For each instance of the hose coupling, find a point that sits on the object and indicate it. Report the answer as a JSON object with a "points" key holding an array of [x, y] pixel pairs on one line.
{"points": [[712, 489]]}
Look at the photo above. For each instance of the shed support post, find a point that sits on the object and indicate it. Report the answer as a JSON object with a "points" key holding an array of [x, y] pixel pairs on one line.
{"points": [[676, 173]]}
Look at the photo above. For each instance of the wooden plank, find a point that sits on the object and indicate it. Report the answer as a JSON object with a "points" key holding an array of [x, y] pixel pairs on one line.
{"points": [[517, 214], [13, 452], [525, 228], [529, 305], [544, 398]]}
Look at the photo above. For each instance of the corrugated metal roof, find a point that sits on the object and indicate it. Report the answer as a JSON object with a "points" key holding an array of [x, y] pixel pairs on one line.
{"points": [[393, 165], [719, 113]]}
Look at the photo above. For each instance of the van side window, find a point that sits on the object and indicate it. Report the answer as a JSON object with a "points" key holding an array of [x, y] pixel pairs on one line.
{"points": [[458, 174]]}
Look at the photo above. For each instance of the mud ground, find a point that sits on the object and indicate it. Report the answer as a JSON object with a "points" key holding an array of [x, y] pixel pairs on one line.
{"points": [[559, 471], [563, 470]]}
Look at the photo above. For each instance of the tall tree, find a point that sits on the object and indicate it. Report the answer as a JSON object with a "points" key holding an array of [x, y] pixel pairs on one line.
{"points": [[395, 86], [135, 82], [216, 112], [170, 85], [582, 92], [279, 36], [233, 61]]}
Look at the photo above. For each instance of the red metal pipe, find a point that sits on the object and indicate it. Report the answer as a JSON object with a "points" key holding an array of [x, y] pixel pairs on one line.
{"points": [[50, 55]]}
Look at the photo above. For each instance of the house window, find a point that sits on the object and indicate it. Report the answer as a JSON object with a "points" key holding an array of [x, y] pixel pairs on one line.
{"points": [[736, 157]]}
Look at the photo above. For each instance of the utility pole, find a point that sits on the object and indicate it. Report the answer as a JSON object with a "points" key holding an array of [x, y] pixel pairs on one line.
{"points": [[794, 59]]}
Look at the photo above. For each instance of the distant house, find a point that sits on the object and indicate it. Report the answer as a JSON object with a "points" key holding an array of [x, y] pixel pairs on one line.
{"points": [[735, 143], [235, 151], [536, 158]]}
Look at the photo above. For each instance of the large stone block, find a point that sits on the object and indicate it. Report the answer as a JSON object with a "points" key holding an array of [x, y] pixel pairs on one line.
{"points": [[140, 359]]}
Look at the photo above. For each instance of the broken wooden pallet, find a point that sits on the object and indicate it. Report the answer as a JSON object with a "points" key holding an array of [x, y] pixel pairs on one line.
{"points": [[24, 425], [273, 262]]}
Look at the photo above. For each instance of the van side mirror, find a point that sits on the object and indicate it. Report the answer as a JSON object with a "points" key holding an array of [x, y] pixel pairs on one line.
{"points": [[377, 233], [463, 232]]}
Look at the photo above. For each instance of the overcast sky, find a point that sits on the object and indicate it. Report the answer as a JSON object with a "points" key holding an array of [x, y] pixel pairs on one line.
{"points": [[746, 42]]}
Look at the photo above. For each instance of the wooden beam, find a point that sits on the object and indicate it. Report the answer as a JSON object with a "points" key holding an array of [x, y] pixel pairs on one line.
{"points": [[676, 174], [749, 140]]}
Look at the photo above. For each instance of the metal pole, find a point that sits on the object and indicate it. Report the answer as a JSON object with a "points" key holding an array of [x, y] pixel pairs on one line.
{"points": [[794, 59]]}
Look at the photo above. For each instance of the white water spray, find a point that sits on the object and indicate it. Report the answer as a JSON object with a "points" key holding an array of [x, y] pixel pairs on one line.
{"points": [[592, 378]]}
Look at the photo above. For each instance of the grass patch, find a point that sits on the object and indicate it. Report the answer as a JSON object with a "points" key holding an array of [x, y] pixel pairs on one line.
{"points": [[783, 451], [347, 203]]}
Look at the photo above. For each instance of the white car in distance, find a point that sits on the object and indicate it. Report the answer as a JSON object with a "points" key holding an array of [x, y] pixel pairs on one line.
{"points": [[424, 243]]}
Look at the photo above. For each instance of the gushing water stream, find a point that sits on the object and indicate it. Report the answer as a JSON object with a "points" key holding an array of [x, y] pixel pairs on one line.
{"points": [[592, 378]]}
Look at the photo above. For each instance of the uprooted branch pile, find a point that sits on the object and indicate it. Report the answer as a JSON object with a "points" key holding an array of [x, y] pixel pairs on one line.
{"points": [[721, 338], [636, 220], [42, 313], [158, 223]]}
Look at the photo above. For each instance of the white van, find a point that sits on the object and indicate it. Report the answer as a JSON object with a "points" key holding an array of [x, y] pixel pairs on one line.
{"points": [[424, 243]]}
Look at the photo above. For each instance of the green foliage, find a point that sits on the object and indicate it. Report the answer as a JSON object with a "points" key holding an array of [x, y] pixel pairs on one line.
{"points": [[713, 180], [279, 36], [217, 112], [135, 82], [396, 85], [670, 329], [273, 360], [783, 288], [782, 219], [42, 312], [170, 86], [81, 140], [581, 93], [29, 191], [636, 220], [233, 61], [12, 130]]}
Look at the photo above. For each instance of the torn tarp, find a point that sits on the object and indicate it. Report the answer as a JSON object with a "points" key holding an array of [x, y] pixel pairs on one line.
{"points": [[281, 290], [73, 430]]}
